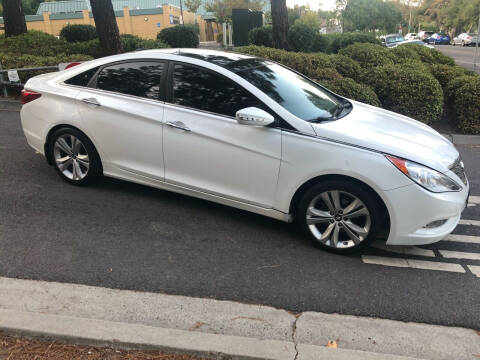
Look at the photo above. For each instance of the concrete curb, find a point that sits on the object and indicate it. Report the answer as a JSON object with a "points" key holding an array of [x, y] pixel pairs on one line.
{"points": [[133, 336]]}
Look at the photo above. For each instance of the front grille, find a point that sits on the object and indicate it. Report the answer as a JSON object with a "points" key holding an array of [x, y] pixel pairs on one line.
{"points": [[458, 169]]}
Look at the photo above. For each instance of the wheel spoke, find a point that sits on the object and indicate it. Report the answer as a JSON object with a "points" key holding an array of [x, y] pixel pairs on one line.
{"points": [[64, 165], [328, 202], [62, 145], [334, 238], [336, 200], [359, 212], [316, 216], [352, 206], [77, 171], [327, 232], [83, 162], [62, 160], [352, 235], [362, 232]]}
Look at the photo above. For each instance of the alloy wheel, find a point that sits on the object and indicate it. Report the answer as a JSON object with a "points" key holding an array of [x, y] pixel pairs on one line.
{"points": [[338, 219], [71, 157]]}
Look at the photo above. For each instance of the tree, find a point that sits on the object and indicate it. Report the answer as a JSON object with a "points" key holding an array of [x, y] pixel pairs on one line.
{"points": [[371, 15], [223, 8], [279, 24], [13, 17], [192, 6], [311, 19], [107, 28]]}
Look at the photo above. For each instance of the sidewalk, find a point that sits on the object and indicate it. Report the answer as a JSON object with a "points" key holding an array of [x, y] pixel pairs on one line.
{"points": [[123, 319]]}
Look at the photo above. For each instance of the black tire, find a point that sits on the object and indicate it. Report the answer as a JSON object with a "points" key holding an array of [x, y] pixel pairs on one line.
{"points": [[363, 193], [95, 170]]}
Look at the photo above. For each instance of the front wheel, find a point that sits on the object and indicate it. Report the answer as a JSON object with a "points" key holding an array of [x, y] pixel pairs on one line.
{"points": [[339, 216]]}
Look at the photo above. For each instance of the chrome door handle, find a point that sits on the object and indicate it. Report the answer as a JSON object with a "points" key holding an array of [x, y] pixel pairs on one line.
{"points": [[91, 101], [178, 125]]}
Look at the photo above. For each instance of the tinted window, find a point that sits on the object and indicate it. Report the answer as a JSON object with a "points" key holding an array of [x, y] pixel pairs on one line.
{"points": [[139, 79], [300, 96], [82, 79], [204, 90]]}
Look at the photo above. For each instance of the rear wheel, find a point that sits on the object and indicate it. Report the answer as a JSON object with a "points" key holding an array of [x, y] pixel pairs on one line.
{"points": [[74, 157], [339, 216]]}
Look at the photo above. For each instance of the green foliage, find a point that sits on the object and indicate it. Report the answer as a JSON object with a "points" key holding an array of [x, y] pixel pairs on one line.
{"points": [[220, 37], [261, 36], [193, 5], [368, 55], [311, 19], [352, 90], [78, 32], [132, 43], [223, 8], [404, 53], [346, 66], [432, 56], [179, 37], [301, 37], [463, 94], [34, 43], [371, 15], [320, 43], [411, 92], [445, 73], [338, 41]]}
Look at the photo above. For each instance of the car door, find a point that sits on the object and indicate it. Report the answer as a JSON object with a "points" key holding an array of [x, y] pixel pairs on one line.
{"points": [[123, 110], [206, 149]]}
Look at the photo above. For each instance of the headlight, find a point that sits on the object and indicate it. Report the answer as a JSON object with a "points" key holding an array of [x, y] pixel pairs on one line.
{"points": [[430, 179]]}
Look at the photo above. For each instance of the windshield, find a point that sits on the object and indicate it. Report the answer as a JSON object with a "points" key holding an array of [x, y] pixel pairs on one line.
{"points": [[394, 39], [300, 96]]}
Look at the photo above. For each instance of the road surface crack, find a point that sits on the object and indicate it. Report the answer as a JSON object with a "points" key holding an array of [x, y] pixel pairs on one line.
{"points": [[294, 331]]}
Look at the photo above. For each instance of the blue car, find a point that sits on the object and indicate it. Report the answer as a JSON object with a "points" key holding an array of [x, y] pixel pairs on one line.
{"points": [[439, 39]]}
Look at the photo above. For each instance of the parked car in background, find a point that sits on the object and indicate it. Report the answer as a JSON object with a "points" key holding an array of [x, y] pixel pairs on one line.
{"points": [[439, 39], [414, 42], [391, 39], [424, 35], [249, 133], [465, 39], [411, 36]]}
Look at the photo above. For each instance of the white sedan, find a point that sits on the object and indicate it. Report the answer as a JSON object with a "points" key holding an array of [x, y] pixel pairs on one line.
{"points": [[252, 134]]}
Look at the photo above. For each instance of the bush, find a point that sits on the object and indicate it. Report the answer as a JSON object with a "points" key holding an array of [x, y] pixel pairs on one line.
{"points": [[326, 74], [463, 95], [320, 43], [220, 37], [179, 36], [34, 43], [445, 73], [132, 43], [368, 55], [338, 41], [78, 32], [408, 91], [301, 37], [350, 89], [432, 56], [91, 48], [405, 53], [346, 66], [261, 36]]}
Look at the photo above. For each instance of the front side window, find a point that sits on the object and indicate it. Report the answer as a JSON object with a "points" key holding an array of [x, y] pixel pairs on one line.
{"points": [[203, 90], [140, 79], [297, 94]]}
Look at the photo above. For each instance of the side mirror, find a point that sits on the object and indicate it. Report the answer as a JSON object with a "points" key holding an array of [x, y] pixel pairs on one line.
{"points": [[254, 116]]}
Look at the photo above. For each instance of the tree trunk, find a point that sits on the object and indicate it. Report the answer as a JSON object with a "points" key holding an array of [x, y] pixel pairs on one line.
{"points": [[280, 24], [107, 28], [13, 18]]}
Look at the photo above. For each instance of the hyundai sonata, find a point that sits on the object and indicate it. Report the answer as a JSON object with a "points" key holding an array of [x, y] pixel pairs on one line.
{"points": [[252, 134]]}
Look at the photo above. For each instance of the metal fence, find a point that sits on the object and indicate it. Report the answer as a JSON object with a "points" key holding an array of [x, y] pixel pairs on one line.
{"points": [[5, 83]]}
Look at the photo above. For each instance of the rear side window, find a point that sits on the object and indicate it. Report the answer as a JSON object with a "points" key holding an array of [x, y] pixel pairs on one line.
{"points": [[201, 89], [140, 79], [82, 79]]}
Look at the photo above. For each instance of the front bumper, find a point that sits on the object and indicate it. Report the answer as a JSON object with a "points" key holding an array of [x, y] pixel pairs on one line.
{"points": [[411, 208]]}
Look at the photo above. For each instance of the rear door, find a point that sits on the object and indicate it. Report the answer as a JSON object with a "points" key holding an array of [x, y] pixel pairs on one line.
{"points": [[123, 109]]}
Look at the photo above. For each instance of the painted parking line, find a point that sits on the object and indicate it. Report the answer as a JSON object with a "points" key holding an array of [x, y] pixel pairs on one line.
{"points": [[475, 269], [413, 264], [463, 238], [469, 222], [404, 250], [474, 200], [459, 255]]}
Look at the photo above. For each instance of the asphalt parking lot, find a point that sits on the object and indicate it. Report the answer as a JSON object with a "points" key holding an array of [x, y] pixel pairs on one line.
{"points": [[464, 56], [121, 235]]}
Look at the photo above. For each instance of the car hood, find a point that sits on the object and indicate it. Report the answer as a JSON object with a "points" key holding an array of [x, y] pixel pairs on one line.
{"points": [[390, 133]]}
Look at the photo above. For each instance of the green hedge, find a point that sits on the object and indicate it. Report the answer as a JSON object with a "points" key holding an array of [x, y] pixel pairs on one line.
{"points": [[352, 90], [445, 73], [301, 37], [346, 66], [338, 41], [369, 55], [261, 36], [179, 36], [408, 91], [34, 43], [462, 96], [78, 32]]}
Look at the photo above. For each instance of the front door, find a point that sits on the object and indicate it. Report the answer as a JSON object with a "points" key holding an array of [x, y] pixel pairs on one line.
{"points": [[207, 150]]}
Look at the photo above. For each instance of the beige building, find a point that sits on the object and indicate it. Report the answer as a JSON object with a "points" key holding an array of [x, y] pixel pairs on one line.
{"points": [[144, 18]]}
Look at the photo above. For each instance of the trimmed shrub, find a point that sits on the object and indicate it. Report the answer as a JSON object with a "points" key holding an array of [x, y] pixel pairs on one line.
{"points": [[261, 36], [320, 43], [78, 32], [326, 74], [338, 41], [405, 53], [432, 56], [408, 91], [34, 43], [463, 94], [445, 73], [132, 43], [91, 48], [179, 36], [368, 55], [301, 37], [346, 66], [352, 90]]}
